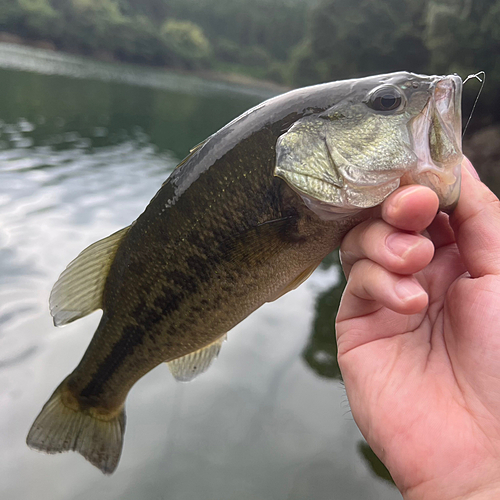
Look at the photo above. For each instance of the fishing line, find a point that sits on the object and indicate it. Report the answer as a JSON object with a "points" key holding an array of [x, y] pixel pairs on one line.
{"points": [[478, 94]]}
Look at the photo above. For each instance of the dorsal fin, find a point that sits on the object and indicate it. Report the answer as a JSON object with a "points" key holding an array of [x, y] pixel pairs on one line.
{"points": [[192, 151], [187, 367], [78, 291]]}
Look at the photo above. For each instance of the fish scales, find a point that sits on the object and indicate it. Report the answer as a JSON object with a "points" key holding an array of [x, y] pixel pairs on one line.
{"points": [[245, 218], [195, 276]]}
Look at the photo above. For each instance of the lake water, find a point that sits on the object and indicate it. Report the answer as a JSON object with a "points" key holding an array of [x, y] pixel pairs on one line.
{"points": [[83, 148]]}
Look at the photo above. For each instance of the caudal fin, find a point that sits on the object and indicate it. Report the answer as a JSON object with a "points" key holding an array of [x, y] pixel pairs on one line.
{"points": [[59, 428]]}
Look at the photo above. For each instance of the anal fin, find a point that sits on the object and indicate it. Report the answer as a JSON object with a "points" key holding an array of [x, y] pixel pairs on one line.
{"points": [[188, 367]]}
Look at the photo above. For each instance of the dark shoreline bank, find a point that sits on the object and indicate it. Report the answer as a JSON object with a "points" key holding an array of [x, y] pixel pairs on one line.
{"points": [[105, 56]]}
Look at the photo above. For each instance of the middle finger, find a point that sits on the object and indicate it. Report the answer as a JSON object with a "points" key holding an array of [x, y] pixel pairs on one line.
{"points": [[397, 251]]}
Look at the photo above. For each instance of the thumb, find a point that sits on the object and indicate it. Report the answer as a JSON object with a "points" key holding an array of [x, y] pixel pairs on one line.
{"points": [[476, 223]]}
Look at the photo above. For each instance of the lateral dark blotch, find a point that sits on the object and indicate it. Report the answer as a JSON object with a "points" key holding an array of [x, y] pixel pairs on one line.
{"points": [[150, 317], [200, 267], [169, 301], [184, 282], [131, 337]]}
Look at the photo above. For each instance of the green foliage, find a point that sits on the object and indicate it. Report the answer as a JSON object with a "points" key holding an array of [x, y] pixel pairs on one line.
{"points": [[140, 41], [276, 25], [28, 17], [299, 42], [255, 55], [187, 41], [277, 72], [360, 37], [91, 24], [39, 16], [155, 10], [464, 37], [130, 30], [226, 50], [305, 68]]}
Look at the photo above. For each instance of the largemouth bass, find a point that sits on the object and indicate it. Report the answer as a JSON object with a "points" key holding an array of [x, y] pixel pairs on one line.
{"points": [[245, 218]]}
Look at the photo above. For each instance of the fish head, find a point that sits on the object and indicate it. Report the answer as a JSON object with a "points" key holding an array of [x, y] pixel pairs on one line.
{"points": [[381, 133]]}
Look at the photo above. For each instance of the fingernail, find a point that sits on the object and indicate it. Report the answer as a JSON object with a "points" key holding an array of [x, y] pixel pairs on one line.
{"points": [[470, 168], [407, 289], [401, 243]]}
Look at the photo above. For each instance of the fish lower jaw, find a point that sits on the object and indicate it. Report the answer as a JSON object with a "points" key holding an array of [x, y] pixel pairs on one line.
{"points": [[437, 145], [444, 176], [330, 201], [445, 181]]}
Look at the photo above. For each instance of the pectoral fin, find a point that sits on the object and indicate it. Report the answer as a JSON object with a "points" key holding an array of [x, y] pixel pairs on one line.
{"points": [[296, 282], [188, 367], [79, 289]]}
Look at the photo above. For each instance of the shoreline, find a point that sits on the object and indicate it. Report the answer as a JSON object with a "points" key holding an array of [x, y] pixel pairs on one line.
{"points": [[107, 57]]}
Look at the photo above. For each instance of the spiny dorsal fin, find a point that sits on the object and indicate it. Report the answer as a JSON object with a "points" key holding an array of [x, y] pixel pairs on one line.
{"points": [[192, 151], [296, 282], [78, 291], [187, 367], [198, 146]]}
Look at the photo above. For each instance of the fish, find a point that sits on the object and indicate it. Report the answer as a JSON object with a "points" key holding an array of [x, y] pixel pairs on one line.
{"points": [[245, 218]]}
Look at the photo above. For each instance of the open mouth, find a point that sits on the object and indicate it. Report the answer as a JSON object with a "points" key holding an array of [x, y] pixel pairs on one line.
{"points": [[437, 142]]}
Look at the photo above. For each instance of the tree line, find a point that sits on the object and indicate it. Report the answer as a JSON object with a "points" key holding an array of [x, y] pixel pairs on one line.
{"points": [[361, 37], [296, 42], [190, 34]]}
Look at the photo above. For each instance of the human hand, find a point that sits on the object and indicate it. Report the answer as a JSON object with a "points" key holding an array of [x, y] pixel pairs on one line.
{"points": [[418, 333]]}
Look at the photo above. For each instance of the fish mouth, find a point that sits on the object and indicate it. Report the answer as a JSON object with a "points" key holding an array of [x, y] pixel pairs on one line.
{"points": [[437, 142]]}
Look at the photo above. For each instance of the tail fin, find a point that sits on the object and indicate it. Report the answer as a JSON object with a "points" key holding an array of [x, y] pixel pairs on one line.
{"points": [[59, 428]]}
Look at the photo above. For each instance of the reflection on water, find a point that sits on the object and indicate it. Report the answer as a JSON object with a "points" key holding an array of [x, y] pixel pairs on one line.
{"points": [[53, 63], [321, 350], [80, 157]]}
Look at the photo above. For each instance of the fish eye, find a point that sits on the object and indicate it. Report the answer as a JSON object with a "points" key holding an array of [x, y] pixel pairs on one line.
{"points": [[385, 99]]}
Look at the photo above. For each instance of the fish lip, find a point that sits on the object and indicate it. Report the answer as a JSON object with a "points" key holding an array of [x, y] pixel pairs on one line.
{"points": [[448, 97], [444, 106]]}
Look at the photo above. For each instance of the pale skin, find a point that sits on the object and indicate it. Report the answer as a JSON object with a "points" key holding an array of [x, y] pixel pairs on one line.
{"points": [[419, 340]]}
